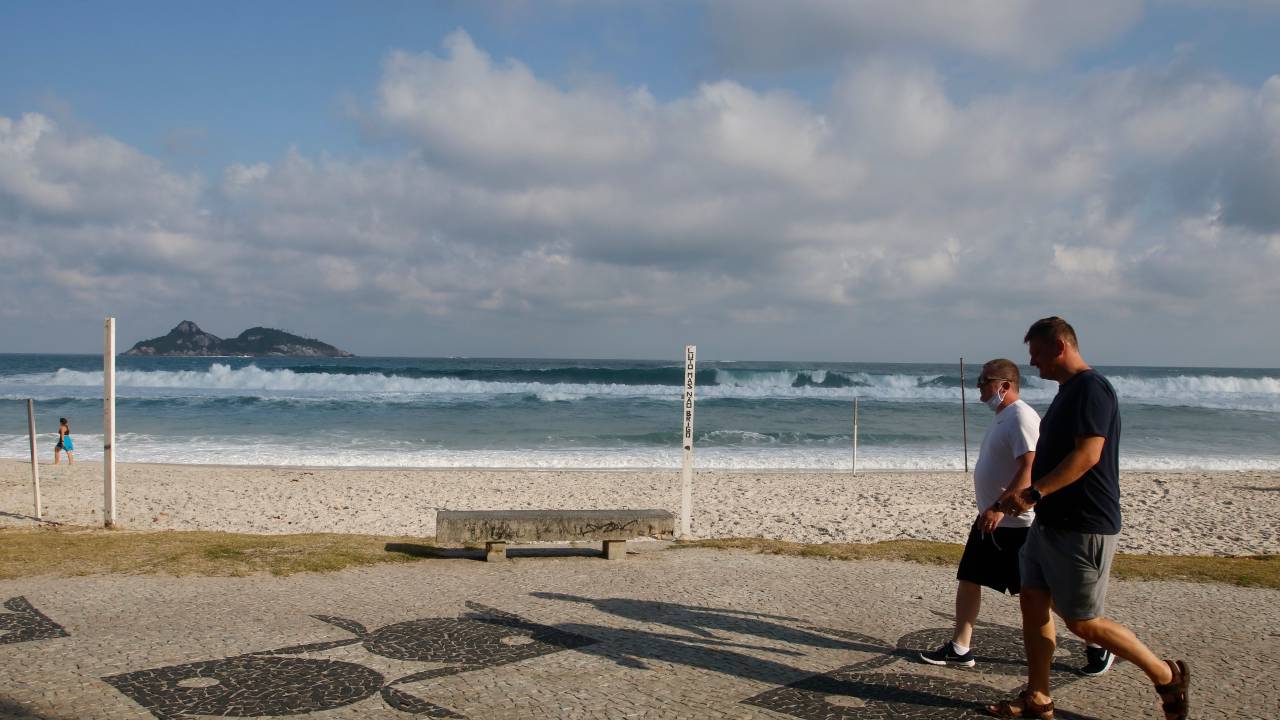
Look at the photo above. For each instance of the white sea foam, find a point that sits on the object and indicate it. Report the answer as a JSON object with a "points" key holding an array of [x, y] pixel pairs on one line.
{"points": [[370, 453], [739, 437], [1260, 394]]}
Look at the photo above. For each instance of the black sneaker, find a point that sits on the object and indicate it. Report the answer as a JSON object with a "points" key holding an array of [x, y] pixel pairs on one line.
{"points": [[1098, 661], [947, 655]]}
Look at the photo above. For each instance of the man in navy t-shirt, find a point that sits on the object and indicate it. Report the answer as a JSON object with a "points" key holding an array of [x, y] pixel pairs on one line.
{"points": [[1085, 407], [1066, 560]]}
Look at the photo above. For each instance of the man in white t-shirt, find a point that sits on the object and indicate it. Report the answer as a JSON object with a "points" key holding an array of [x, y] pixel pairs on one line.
{"points": [[991, 552]]}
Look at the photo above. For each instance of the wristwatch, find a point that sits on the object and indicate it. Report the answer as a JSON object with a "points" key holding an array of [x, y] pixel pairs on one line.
{"points": [[1034, 493]]}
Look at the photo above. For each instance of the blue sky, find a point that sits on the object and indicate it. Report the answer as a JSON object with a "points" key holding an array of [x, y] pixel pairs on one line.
{"points": [[245, 81], [861, 181]]}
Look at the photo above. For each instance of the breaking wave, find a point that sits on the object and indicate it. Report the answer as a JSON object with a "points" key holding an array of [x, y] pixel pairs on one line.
{"points": [[1223, 392]]}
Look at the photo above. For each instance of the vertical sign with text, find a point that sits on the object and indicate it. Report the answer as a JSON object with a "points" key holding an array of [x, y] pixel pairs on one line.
{"points": [[109, 422], [686, 439]]}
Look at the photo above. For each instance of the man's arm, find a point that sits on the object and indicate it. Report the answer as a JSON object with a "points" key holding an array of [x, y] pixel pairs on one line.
{"points": [[1022, 476], [992, 516], [1087, 453]]}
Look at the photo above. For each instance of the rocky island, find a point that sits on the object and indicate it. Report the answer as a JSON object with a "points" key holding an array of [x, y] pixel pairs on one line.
{"points": [[187, 339]]}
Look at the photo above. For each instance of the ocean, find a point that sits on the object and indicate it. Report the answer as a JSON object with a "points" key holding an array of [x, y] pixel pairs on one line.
{"points": [[547, 413]]}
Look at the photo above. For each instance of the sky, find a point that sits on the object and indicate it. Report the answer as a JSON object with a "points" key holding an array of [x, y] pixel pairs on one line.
{"points": [[867, 180]]}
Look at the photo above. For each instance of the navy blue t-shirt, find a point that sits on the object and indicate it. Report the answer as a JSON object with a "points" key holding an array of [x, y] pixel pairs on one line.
{"points": [[1085, 405]]}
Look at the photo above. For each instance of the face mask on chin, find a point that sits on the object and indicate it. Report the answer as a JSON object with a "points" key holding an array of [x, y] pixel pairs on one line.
{"points": [[994, 401]]}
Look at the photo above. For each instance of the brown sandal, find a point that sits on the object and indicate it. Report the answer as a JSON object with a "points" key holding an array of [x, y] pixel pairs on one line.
{"points": [[1023, 707], [1174, 694]]}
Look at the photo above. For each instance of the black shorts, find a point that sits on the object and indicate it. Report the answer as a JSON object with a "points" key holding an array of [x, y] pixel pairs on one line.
{"points": [[992, 559]]}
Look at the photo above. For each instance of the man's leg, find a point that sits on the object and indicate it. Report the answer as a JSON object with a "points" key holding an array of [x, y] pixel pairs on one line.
{"points": [[974, 571], [1121, 641], [957, 652], [1038, 635], [968, 603], [1082, 609], [1039, 638]]}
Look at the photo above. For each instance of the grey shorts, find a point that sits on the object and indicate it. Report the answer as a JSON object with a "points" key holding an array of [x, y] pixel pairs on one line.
{"points": [[1073, 567]]}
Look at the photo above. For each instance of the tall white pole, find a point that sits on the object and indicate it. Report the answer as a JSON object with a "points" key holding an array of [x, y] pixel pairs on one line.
{"points": [[35, 465], [855, 434], [964, 418], [686, 485], [109, 423]]}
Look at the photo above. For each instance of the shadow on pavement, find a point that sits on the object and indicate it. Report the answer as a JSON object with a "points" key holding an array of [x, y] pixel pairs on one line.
{"points": [[701, 621], [18, 711], [851, 692]]}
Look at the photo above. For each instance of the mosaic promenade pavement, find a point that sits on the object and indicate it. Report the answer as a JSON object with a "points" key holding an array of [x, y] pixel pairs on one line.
{"points": [[666, 634]]}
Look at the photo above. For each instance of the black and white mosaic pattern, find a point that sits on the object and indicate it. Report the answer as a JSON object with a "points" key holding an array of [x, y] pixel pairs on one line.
{"points": [[843, 695], [999, 650], [274, 682], [854, 692], [24, 623], [248, 685]]}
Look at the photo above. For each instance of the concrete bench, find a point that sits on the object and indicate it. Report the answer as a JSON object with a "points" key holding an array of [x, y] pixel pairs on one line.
{"points": [[498, 528]]}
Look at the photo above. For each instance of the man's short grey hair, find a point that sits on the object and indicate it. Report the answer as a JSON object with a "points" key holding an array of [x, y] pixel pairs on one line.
{"points": [[1002, 368]]}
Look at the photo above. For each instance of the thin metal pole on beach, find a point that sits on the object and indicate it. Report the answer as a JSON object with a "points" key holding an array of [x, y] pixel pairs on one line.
{"points": [[109, 423], [964, 417], [35, 466], [855, 435], [686, 482]]}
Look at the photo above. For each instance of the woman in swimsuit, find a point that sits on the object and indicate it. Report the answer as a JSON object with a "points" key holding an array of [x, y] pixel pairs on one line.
{"points": [[64, 442]]}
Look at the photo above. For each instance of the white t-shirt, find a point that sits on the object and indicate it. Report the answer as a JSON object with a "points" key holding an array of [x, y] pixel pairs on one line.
{"points": [[1012, 434]]}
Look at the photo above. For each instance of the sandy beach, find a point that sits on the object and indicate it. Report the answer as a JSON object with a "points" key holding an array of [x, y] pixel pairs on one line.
{"points": [[1236, 513]]}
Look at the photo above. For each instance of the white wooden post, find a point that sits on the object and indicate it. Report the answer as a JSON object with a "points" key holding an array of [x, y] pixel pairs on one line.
{"points": [[855, 434], [686, 485], [109, 423], [964, 417], [35, 465]]}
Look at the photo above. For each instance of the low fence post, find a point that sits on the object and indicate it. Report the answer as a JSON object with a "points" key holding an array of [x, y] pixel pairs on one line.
{"points": [[35, 464], [109, 423], [964, 417], [855, 435]]}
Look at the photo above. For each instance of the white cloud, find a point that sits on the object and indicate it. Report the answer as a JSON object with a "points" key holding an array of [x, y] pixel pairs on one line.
{"points": [[20, 178], [1093, 261], [766, 33], [466, 107], [93, 178], [767, 135], [903, 109], [517, 198], [240, 176]]}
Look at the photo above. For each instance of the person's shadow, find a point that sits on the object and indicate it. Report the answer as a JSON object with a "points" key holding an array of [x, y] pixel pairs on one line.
{"points": [[14, 709], [702, 621], [638, 648], [850, 692]]}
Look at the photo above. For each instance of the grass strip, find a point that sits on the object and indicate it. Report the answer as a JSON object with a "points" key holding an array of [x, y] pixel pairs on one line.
{"points": [[68, 551], [1261, 571], [71, 551]]}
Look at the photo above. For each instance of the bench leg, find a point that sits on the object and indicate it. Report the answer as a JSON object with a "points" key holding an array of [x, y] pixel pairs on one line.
{"points": [[615, 549], [495, 551]]}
